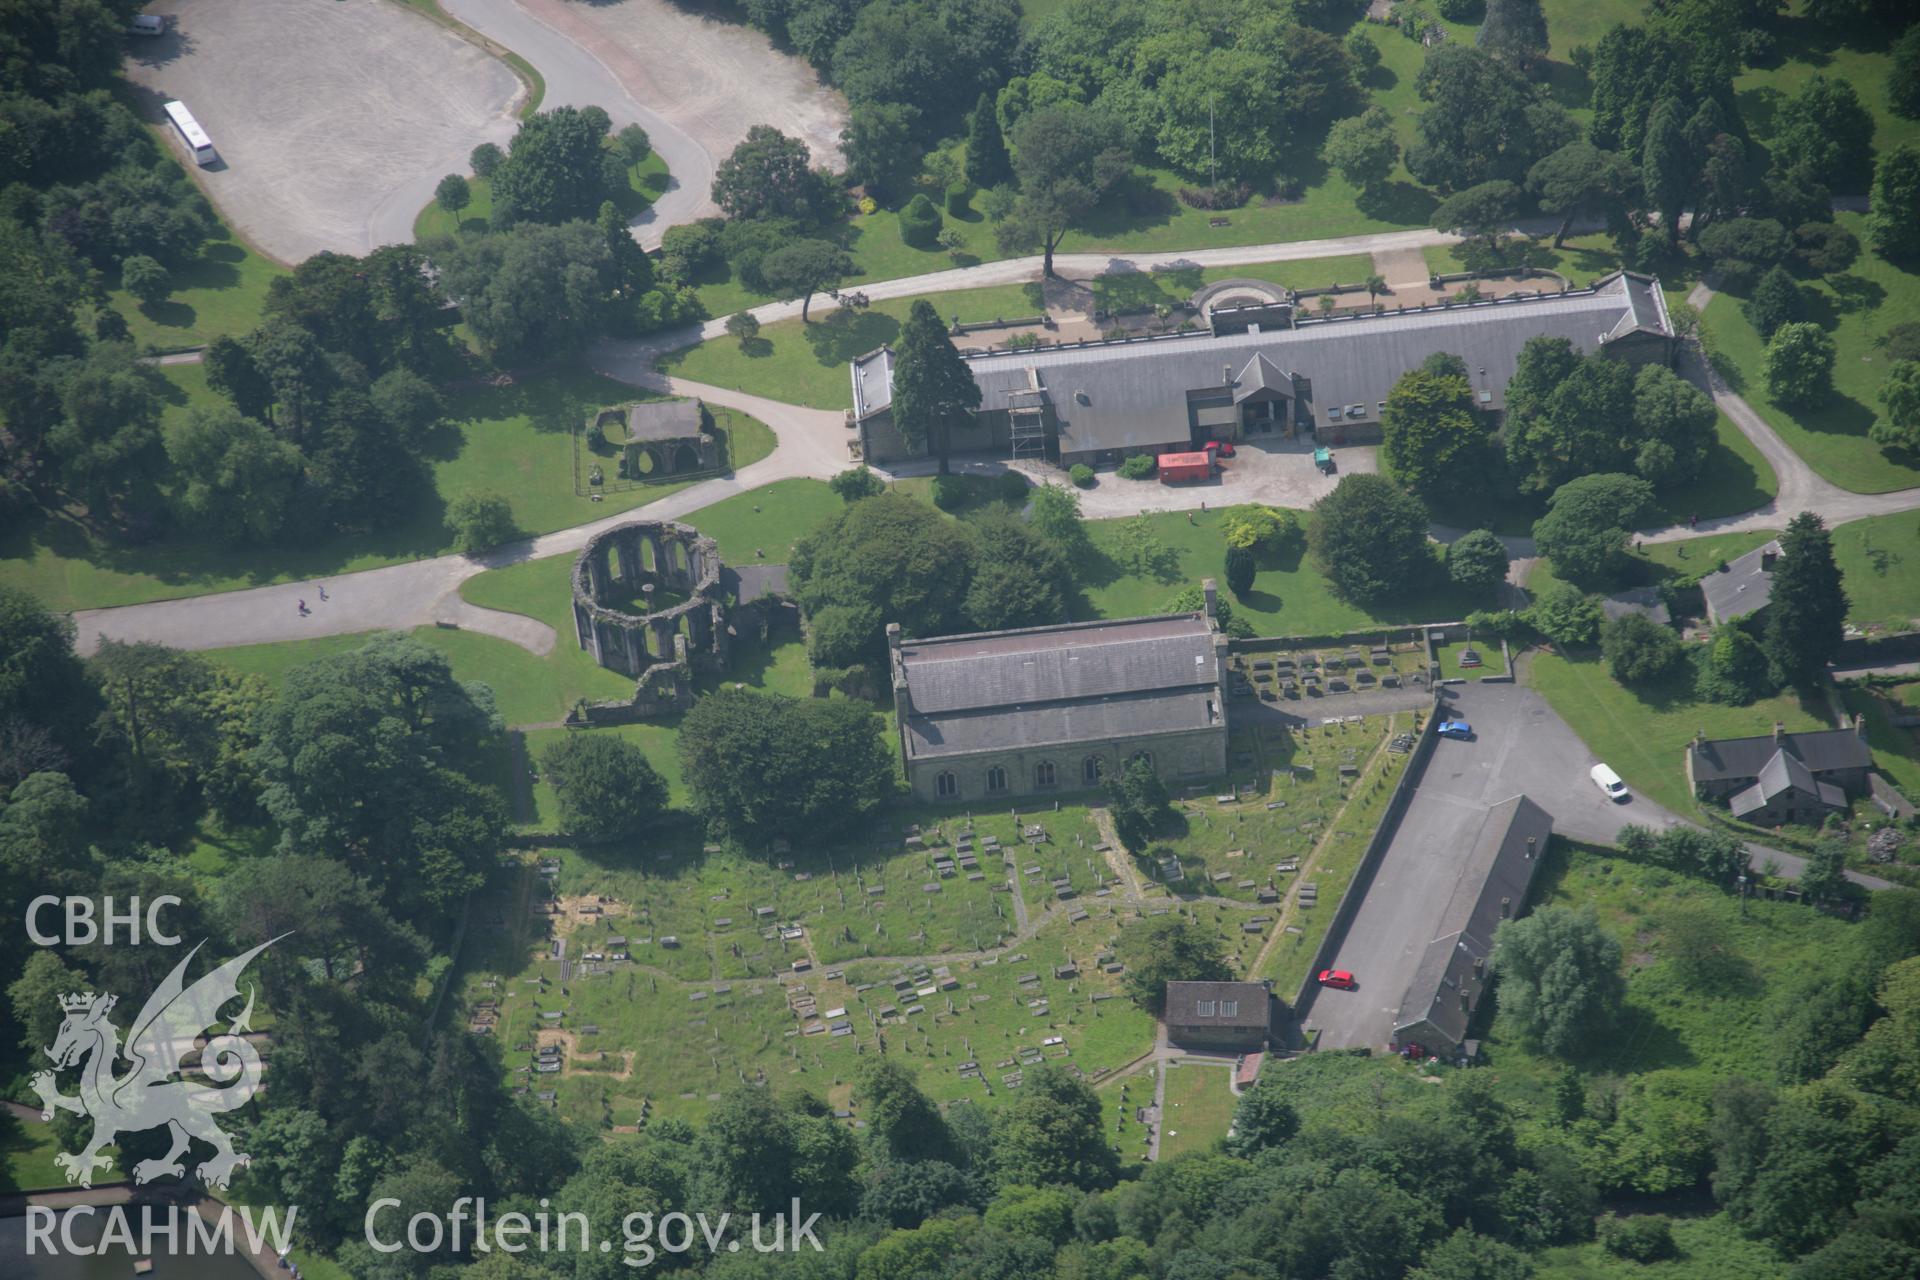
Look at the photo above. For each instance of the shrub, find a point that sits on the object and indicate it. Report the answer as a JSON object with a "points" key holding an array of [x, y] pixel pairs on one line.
{"points": [[688, 249], [1777, 300], [1221, 196], [1798, 364], [634, 143], [1824, 248], [1267, 530], [1458, 10], [948, 492], [1477, 561], [145, 279], [958, 196], [856, 483], [1140, 466], [920, 223], [1644, 1237], [1012, 487], [453, 194], [1240, 570], [484, 159], [1732, 670], [1081, 474], [1638, 650], [1564, 615], [869, 206], [479, 521], [744, 326]]}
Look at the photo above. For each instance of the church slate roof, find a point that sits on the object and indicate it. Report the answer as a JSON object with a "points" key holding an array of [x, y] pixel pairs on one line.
{"points": [[1821, 751], [1250, 1001], [1043, 686]]}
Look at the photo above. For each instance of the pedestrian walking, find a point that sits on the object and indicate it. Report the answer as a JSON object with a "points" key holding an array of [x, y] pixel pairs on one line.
{"points": [[1693, 522], [323, 593], [303, 608]]}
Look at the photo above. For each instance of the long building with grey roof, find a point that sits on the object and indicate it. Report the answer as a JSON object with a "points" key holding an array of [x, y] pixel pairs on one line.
{"points": [[1439, 1004], [1002, 714], [1324, 376]]}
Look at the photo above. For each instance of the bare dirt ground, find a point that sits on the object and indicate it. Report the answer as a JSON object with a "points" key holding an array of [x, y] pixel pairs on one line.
{"points": [[713, 80], [333, 120]]}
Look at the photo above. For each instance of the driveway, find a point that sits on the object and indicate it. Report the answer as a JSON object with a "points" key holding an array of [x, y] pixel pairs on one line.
{"points": [[334, 121], [694, 84], [1521, 747]]}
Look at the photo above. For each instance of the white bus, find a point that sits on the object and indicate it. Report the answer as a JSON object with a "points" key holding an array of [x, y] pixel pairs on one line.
{"points": [[190, 131]]}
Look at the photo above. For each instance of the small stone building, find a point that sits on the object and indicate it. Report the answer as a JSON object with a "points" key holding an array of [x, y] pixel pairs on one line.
{"points": [[1232, 1017], [1741, 589], [664, 439], [1785, 777], [1000, 715]]}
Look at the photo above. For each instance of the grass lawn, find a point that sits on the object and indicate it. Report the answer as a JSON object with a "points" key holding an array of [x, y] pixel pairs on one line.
{"points": [[1642, 734], [1857, 307], [1289, 596], [1896, 752], [218, 294], [1199, 1108], [514, 440], [1879, 559], [1490, 663], [29, 1149]]}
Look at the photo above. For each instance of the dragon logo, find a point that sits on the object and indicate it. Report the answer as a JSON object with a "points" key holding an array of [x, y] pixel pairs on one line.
{"points": [[147, 1096]]}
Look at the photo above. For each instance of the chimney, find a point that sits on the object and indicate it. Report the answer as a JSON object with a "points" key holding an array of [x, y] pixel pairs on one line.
{"points": [[1779, 731], [1506, 908], [1466, 1003], [1860, 724], [1532, 841], [1211, 590], [893, 636]]}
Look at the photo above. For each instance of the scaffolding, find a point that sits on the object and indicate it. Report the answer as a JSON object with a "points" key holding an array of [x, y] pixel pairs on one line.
{"points": [[1027, 419]]}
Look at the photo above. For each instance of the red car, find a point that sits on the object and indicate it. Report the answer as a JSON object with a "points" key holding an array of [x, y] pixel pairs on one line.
{"points": [[1337, 978], [1413, 1052], [1220, 447]]}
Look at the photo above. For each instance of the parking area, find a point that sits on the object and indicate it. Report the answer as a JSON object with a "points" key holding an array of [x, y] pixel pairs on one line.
{"points": [[333, 120], [1519, 747]]}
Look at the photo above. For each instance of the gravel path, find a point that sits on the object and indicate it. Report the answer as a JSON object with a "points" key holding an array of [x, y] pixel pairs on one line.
{"points": [[695, 85], [333, 121]]}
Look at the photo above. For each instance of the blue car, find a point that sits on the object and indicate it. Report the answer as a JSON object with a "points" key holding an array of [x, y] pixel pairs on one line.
{"points": [[1456, 729]]}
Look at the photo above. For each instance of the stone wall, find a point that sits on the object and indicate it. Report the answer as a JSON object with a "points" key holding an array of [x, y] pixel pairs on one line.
{"points": [[1190, 755]]}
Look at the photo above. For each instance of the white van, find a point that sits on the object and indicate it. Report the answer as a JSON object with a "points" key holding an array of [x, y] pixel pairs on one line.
{"points": [[1609, 783], [146, 24]]}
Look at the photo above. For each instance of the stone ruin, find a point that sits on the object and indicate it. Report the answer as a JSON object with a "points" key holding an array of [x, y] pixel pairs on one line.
{"points": [[615, 582], [652, 600]]}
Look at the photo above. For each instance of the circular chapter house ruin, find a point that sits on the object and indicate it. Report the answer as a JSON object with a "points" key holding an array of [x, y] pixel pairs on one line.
{"points": [[653, 600]]}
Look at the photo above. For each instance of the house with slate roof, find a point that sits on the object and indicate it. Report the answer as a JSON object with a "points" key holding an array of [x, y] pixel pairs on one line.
{"points": [[1743, 588], [1785, 777], [1452, 977], [1235, 1016], [1292, 376], [1001, 715]]}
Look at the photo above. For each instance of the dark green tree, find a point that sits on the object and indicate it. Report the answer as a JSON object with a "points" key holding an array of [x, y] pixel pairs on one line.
{"points": [[1262, 1118], [988, 164], [1369, 538], [532, 292], [1514, 31], [1798, 364], [1485, 209], [1893, 225], [892, 555], [1667, 171], [1433, 441], [1588, 522], [606, 786], [1163, 949], [1066, 157], [371, 757], [232, 475], [1240, 570], [109, 428], [1138, 801], [1050, 1133], [1825, 131], [486, 159], [1776, 300], [1565, 415], [145, 279], [1020, 578], [1364, 148], [1467, 1256], [1673, 422], [1477, 561], [1482, 121], [1639, 650], [1807, 608], [1579, 180], [856, 483], [1903, 77], [932, 386], [880, 149], [762, 765], [1899, 426], [557, 169], [1826, 870], [1733, 669], [766, 176], [1559, 977], [804, 268], [903, 1124], [1563, 614], [453, 194]]}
